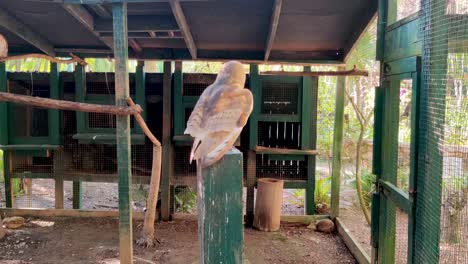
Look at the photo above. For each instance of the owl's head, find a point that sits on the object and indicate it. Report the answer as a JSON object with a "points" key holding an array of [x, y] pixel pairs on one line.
{"points": [[233, 74]]}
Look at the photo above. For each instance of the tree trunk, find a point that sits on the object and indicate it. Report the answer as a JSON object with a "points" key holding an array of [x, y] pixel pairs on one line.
{"points": [[454, 227], [147, 238], [358, 175], [268, 204]]}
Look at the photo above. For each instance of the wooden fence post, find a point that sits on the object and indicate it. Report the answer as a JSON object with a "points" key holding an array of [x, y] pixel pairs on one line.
{"points": [[220, 223], [122, 91]]}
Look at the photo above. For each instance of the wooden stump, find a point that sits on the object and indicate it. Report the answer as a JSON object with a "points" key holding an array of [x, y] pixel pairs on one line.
{"points": [[268, 204]]}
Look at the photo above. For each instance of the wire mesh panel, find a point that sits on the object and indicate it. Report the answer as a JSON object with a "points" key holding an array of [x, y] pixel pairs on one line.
{"points": [[441, 229], [280, 98], [195, 84]]}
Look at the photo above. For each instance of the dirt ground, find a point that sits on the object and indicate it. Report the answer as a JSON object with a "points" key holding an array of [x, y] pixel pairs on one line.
{"points": [[91, 240]]}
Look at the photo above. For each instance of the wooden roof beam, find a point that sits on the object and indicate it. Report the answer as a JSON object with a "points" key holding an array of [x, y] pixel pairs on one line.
{"points": [[273, 27], [143, 23], [87, 20], [135, 45], [101, 11], [23, 31], [182, 22], [96, 2]]}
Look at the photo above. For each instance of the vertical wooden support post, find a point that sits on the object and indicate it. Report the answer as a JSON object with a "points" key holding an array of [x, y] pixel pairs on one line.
{"points": [[54, 115], [140, 90], [80, 93], [309, 135], [337, 145], [58, 176], [81, 125], [119, 13], [220, 211], [179, 111], [255, 88], [54, 134], [4, 130], [77, 194], [167, 169]]}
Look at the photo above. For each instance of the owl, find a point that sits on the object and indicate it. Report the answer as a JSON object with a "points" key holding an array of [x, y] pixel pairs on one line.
{"points": [[219, 115], [3, 47]]}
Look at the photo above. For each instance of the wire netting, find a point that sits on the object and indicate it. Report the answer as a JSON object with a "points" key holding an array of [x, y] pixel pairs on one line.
{"points": [[441, 233]]}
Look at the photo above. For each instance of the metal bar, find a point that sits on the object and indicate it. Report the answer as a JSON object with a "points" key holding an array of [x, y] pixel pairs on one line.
{"points": [[184, 27], [337, 147], [12, 24], [220, 211], [273, 27], [167, 165], [122, 91]]}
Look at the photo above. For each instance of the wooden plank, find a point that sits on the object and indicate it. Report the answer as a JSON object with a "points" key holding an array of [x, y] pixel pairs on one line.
{"points": [[93, 177], [35, 212], [184, 27], [337, 147], [274, 21], [87, 20], [406, 65], [341, 72], [135, 45], [295, 184], [17, 27], [250, 184], [351, 243], [403, 41], [54, 115], [167, 164], [381, 28], [220, 211], [93, 2], [29, 147], [378, 126], [101, 11], [9, 198], [267, 150], [303, 219], [140, 23], [122, 91]]}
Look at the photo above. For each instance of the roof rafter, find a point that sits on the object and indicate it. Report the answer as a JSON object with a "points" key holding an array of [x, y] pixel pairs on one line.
{"points": [[273, 27], [23, 31], [182, 22], [143, 23], [87, 20]]}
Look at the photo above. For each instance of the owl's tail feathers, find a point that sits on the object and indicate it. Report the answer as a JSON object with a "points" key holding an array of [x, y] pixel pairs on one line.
{"points": [[196, 143]]}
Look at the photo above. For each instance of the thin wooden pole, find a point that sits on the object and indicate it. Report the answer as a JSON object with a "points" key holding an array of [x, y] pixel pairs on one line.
{"points": [[74, 59], [220, 211], [70, 106], [337, 147], [167, 145], [122, 91]]}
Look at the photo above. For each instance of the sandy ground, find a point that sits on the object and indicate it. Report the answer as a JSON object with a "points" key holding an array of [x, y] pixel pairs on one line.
{"points": [[73, 240]]}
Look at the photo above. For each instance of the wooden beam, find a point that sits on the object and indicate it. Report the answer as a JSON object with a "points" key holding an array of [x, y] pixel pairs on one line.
{"points": [[23, 31], [87, 20], [184, 27], [273, 27], [135, 45], [94, 2], [352, 72], [101, 11], [122, 92], [351, 243], [142, 23], [266, 150], [64, 213]]}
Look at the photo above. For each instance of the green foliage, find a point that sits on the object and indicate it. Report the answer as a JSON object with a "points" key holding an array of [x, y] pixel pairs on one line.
{"points": [[16, 187], [185, 199], [368, 186], [322, 191]]}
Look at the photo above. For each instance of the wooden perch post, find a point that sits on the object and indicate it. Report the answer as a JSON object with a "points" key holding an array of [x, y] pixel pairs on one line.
{"points": [[220, 223], [68, 105], [352, 72]]}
